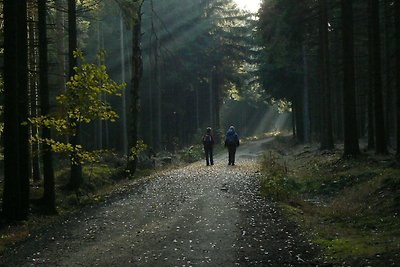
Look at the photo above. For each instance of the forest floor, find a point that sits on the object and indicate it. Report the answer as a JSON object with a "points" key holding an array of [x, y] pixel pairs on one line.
{"points": [[195, 215], [283, 204], [349, 207]]}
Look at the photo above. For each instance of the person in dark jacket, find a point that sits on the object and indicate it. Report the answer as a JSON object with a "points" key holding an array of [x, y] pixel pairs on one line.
{"points": [[231, 142], [208, 143]]}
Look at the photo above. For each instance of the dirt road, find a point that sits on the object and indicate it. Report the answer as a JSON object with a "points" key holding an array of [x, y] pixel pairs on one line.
{"points": [[193, 216]]}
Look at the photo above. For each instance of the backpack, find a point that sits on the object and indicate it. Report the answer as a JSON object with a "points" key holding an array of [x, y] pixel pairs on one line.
{"points": [[231, 139], [207, 140]]}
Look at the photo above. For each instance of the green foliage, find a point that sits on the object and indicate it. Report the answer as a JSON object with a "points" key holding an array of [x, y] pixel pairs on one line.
{"points": [[192, 154], [82, 102], [137, 149], [275, 182], [349, 247]]}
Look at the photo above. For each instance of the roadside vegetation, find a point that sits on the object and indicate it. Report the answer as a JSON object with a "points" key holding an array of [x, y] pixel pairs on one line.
{"points": [[350, 207]]}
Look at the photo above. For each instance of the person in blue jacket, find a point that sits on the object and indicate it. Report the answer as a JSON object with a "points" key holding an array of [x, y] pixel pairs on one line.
{"points": [[231, 142]]}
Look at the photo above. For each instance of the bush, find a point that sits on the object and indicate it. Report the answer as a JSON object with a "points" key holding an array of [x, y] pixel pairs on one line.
{"points": [[192, 154], [275, 183]]}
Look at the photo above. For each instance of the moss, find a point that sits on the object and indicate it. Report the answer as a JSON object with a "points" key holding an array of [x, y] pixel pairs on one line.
{"points": [[350, 247]]}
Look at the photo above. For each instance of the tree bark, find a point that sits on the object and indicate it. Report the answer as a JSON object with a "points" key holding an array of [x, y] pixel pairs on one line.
{"points": [[397, 38], [298, 111], [306, 110], [23, 103], [381, 143], [387, 88], [326, 131], [217, 81], [99, 123], [16, 135], [47, 158], [33, 90], [59, 42], [370, 97], [137, 72], [76, 178], [351, 146], [124, 128]]}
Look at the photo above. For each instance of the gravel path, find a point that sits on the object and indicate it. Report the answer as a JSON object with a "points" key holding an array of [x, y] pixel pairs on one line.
{"points": [[193, 216]]}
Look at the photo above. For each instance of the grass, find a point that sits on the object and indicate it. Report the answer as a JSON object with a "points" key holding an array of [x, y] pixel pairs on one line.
{"points": [[350, 207]]}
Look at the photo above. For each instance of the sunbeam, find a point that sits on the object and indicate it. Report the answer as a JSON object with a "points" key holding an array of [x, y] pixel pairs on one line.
{"points": [[249, 5]]}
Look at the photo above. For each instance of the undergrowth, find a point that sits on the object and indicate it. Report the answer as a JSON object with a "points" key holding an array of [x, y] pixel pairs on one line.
{"points": [[350, 207]]}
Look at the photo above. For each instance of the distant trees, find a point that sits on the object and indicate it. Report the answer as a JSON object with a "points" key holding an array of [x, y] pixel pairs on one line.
{"points": [[360, 105], [285, 52], [195, 54]]}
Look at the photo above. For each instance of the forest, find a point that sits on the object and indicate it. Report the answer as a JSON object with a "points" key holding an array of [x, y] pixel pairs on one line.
{"points": [[122, 88]]}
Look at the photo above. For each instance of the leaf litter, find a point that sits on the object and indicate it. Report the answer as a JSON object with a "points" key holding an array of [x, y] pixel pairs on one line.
{"points": [[191, 216]]}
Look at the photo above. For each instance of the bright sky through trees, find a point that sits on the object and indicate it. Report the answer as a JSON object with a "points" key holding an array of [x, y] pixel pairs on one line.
{"points": [[250, 5]]}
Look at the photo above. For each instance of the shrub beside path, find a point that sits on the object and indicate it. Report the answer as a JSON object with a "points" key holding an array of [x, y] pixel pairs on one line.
{"points": [[192, 216]]}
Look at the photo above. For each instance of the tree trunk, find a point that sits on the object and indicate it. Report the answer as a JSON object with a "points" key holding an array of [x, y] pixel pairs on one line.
{"points": [[387, 88], [48, 172], [99, 123], [124, 128], [12, 178], [397, 23], [33, 90], [197, 111], [370, 100], [210, 97], [326, 131], [16, 135], [381, 145], [306, 109], [217, 81], [137, 72], [294, 130], [298, 113], [23, 99], [351, 147], [76, 178]]}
